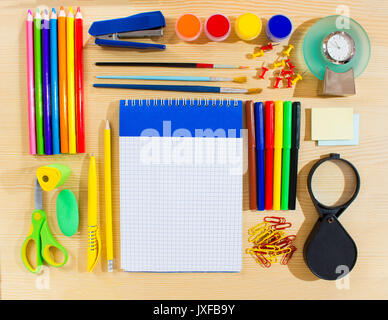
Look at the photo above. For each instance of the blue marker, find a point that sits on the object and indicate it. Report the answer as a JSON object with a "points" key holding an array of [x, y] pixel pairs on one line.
{"points": [[54, 82], [259, 117]]}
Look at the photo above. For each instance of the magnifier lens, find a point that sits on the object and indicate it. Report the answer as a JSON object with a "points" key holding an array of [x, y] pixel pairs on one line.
{"points": [[333, 183]]}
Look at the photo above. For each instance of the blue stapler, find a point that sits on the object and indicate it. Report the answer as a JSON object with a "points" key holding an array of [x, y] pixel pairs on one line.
{"points": [[141, 25]]}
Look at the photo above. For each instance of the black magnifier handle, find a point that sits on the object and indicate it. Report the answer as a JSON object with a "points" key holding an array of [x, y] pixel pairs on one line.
{"points": [[322, 209]]}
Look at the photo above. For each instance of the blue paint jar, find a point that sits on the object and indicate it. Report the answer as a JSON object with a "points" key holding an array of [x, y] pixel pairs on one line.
{"points": [[278, 28]]}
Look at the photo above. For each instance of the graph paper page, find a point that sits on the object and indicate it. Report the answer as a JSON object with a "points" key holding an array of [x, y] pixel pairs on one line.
{"points": [[180, 204]]}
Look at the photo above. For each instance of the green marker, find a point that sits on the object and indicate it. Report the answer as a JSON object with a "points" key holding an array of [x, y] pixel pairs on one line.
{"points": [[38, 83], [287, 124]]}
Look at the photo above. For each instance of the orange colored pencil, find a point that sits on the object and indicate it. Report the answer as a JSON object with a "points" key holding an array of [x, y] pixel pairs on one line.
{"points": [[63, 117]]}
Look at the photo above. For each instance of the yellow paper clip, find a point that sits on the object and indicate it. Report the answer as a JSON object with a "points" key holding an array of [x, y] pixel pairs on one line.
{"points": [[288, 51], [296, 79], [259, 53], [264, 236], [279, 64], [257, 227]]}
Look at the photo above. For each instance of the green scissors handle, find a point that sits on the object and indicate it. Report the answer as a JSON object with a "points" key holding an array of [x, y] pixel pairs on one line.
{"points": [[44, 240]]}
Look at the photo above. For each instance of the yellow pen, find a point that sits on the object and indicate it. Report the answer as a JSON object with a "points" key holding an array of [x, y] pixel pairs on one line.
{"points": [[71, 80], [277, 164], [94, 246], [108, 197]]}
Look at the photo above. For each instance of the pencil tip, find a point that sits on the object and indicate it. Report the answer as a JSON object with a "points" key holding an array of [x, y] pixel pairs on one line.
{"points": [[107, 126], [243, 67], [37, 10], [29, 11], [61, 8], [78, 9], [71, 9], [54, 10]]}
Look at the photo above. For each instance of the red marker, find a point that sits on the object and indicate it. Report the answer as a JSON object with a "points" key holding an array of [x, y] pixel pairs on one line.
{"points": [[269, 126], [79, 83]]}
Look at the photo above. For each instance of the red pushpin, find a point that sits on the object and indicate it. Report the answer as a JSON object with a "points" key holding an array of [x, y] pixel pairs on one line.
{"points": [[290, 65], [268, 47], [263, 72], [276, 85], [287, 72], [289, 83]]}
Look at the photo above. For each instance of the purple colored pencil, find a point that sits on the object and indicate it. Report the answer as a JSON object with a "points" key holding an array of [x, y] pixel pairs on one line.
{"points": [[48, 143]]}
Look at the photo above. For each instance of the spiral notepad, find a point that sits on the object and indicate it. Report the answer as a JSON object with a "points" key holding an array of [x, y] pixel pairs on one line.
{"points": [[181, 185]]}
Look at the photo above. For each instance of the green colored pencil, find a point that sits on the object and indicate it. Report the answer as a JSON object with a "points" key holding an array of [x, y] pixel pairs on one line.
{"points": [[38, 83], [287, 124]]}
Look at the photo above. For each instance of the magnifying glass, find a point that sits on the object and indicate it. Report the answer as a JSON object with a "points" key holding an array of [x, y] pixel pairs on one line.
{"points": [[330, 251]]}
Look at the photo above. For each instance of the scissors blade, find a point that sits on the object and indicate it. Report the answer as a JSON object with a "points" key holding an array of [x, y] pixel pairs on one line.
{"points": [[38, 196]]}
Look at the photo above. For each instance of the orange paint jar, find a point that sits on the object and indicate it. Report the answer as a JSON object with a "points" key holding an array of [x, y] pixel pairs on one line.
{"points": [[188, 27]]}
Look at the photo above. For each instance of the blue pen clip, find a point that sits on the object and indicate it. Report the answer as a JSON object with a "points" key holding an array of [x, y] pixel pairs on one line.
{"points": [[142, 25]]}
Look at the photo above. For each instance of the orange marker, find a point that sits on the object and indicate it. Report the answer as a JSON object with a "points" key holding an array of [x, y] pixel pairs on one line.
{"points": [[63, 120]]}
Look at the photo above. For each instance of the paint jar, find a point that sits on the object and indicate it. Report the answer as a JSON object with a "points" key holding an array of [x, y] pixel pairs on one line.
{"points": [[248, 26], [188, 27], [217, 27], [278, 28]]}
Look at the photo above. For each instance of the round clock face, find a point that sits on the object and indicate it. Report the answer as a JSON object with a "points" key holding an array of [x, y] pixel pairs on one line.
{"points": [[339, 47]]}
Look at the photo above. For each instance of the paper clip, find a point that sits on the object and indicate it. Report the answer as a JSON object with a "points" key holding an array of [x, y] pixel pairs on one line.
{"points": [[257, 227], [277, 220], [260, 234], [286, 242], [282, 226], [286, 258], [260, 259]]}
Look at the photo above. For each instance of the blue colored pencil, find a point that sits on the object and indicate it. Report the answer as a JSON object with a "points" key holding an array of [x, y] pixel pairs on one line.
{"points": [[46, 83], [176, 88], [259, 117], [54, 81]]}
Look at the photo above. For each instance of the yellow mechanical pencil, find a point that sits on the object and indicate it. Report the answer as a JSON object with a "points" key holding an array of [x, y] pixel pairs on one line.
{"points": [[277, 166], [94, 243], [108, 197]]}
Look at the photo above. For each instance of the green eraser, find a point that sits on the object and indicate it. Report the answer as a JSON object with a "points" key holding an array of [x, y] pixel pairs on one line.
{"points": [[67, 212]]}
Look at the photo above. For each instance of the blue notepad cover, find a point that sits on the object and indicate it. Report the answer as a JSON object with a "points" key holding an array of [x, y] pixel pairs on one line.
{"points": [[190, 115]]}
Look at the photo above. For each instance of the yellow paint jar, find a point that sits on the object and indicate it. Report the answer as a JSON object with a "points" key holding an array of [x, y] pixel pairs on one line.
{"points": [[248, 26]]}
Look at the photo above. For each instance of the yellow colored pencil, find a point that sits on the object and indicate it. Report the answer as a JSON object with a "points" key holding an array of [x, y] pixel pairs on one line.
{"points": [[277, 165], [71, 80], [108, 197]]}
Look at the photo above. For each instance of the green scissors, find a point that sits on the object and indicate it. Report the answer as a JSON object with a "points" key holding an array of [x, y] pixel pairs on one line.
{"points": [[41, 235]]}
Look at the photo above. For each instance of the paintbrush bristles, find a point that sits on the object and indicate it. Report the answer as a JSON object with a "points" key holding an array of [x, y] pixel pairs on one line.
{"points": [[254, 90], [240, 79]]}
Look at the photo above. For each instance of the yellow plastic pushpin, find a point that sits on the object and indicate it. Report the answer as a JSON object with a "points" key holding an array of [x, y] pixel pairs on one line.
{"points": [[279, 64], [258, 54], [296, 79], [288, 51]]}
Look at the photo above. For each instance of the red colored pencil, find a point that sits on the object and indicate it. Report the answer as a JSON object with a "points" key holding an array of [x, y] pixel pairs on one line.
{"points": [[269, 126], [79, 82]]}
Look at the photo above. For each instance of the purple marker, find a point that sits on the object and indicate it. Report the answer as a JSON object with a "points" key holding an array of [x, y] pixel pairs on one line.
{"points": [[48, 143]]}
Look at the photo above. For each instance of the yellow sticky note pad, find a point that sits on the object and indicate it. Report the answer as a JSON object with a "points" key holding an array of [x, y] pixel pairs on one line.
{"points": [[331, 123]]}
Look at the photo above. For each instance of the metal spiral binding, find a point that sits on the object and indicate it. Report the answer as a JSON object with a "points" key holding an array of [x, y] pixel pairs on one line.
{"points": [[92, 240], [185, 102]]}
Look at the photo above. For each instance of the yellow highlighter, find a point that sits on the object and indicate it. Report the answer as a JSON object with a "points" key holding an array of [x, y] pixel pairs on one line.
{"points": [[277, 165], [108, 197], [94, 242], [71, 80]]}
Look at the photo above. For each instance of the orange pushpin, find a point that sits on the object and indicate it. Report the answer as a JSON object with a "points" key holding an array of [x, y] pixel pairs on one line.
{"points": [[296, 79], [288, 51]]}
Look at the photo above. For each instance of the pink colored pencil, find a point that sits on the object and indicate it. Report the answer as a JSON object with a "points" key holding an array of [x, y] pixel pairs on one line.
{"points": [[30, 81]]}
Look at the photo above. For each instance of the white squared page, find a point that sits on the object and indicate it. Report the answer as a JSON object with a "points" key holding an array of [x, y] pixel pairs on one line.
{"points": [[181, 204]]}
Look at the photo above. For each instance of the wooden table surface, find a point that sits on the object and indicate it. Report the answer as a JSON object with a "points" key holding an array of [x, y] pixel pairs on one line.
{"points": [[366, 219]]}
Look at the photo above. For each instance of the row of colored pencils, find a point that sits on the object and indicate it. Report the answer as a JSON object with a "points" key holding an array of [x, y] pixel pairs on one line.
{"points": [[273, 148], [55, 82]]}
